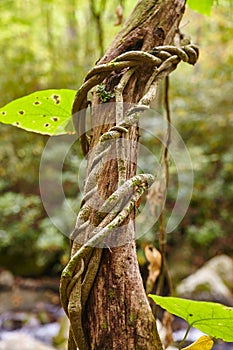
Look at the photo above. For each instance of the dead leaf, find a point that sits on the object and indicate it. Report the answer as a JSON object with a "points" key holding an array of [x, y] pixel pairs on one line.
{"points": [[203, 343], [155, 260], [119, 14], [167, 324]]}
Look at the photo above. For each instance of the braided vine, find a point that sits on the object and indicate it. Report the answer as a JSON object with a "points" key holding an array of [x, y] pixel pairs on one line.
{"points": [[78, 276]]}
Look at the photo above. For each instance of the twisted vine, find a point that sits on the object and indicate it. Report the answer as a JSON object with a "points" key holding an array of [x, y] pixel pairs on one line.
{"points": [[78, 276], [163, 60]]}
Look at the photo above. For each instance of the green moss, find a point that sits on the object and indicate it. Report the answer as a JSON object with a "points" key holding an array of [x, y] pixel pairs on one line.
{"points": [[138, 15], [136, 182], [86, 212], [132, 319], [105, 326], [111, 293], [104, 95], [98, 218], [113, 198], [121, 165]]}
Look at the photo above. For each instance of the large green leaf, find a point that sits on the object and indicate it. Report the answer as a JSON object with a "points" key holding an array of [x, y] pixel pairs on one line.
{"points": [[45, 112], [213, 319], [201, 6]]}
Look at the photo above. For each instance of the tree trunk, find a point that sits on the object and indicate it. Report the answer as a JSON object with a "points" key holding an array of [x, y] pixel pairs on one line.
{"points": [[117, 313]]}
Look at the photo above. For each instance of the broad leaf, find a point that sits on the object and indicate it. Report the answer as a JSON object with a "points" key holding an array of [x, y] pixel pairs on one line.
{"points": [[203, 7], [203, 343], [45, 112], [213, 319]]}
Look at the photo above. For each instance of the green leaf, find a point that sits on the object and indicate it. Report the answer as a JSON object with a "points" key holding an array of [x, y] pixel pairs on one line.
{"points": [[46, 112], [203, 7], [213, 319]]}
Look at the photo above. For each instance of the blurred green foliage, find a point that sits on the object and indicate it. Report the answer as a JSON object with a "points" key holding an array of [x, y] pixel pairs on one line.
{"points": [[48, 45], [202, 109], [53, 45], [29, 244]]}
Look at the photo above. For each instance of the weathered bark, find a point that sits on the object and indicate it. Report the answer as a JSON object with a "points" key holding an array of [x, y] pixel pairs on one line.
{"points": [[118, 315]]}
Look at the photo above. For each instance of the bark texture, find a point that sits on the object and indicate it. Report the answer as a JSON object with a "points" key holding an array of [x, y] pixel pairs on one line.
{"points": [[118, 314]]}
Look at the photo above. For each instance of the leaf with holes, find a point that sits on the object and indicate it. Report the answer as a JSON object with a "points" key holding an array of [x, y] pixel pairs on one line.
{"points": [[46, 112], [214, 319]]}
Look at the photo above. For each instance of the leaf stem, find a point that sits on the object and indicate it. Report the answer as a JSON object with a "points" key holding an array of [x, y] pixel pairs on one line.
{"points": [[185, 336]]}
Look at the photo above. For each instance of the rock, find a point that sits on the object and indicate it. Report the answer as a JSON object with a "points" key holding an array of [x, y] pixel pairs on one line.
{"points": [[19, 341], [46, 333], [212, 282], [6, 279]]}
